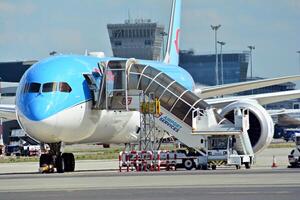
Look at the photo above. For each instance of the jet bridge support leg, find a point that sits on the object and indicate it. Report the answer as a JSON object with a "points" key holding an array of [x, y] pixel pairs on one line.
{"points": [[149, 107]]}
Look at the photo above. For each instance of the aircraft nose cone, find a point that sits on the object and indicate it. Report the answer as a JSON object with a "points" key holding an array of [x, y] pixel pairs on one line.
{"points": [[38, 120], [38, 110]]}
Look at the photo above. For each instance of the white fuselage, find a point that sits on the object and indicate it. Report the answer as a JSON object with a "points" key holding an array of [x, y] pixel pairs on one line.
{"points": [[81, 124]]}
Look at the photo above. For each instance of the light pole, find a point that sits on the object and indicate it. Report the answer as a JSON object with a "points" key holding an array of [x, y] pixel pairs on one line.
{"points": [[1, 122], [163, 34], [299, 57], [251, 48], [1, 92], [215, 28], [222, 70]]}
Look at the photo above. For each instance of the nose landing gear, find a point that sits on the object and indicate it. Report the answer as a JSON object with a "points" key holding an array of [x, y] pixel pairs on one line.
{"points": [[55, 159]]}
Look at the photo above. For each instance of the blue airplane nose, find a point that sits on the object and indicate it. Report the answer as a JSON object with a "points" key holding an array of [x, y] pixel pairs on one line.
{"points": [[38, 108]]}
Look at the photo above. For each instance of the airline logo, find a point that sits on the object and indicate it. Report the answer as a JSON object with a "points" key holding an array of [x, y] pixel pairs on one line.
{"points": [[129, 99], [170, 123], [176, 41]]}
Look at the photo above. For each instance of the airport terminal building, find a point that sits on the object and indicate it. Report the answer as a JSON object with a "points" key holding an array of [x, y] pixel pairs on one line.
{"points": [[10, 75], [140, 38], [202, 67]]}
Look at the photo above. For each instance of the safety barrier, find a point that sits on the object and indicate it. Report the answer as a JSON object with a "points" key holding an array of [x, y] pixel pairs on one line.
{"points": [[147, 161], [167, 160]]}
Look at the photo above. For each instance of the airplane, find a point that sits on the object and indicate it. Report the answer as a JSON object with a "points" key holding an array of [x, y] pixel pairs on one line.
{"points": [[54, 101], [285, 120]]}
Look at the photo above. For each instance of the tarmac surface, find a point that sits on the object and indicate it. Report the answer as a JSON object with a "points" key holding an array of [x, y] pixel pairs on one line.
{"points": [[220, 184], [100, 180]]}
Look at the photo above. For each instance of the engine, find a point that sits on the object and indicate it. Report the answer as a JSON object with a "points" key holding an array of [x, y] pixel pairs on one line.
{"points": [[261, 124]]}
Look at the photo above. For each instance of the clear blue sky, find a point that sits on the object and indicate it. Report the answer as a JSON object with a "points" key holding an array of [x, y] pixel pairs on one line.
{"points": [[30, 29]]}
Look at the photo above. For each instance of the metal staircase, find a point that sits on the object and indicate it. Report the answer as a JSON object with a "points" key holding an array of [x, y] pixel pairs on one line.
{"points": [[183, 114]]}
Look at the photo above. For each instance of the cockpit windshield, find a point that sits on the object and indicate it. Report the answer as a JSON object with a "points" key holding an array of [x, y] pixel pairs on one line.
{"points": [[47, 87], [64, 87], [33, 87], [50, 87]]}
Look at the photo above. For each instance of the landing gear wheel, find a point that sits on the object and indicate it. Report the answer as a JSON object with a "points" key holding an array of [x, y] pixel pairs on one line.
{"points": [[60, 164], [188, 164], [69, 162], [247, 165], [214, 167], [45, 159], [238, 166], [46, 163]]}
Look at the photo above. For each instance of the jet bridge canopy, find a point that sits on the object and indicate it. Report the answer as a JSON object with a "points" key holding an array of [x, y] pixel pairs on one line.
{"points": [[173, 97], [184, 115]]}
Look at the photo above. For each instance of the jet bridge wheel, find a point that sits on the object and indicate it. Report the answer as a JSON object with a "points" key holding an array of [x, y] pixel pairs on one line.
{"points": [[247, 165], [188, 164], [214, 167]]}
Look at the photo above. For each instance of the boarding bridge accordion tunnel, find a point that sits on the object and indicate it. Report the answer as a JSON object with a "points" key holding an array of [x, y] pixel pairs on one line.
{"points": [[179, 106]]}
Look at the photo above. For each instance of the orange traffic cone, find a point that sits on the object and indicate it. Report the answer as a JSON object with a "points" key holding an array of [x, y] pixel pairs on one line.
{"points": [[274, 164]]}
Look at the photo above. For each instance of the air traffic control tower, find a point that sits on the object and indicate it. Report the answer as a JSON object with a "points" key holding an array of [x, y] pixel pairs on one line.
{"points": [[140, 38]]}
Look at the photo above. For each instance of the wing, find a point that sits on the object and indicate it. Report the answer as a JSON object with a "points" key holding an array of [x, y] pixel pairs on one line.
{"points": [[8, 111], [262, 99], [243, 86], [286, 120], [283, 111]]}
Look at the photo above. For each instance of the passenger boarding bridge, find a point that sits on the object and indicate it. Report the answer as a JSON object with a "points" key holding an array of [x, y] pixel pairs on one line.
{"points": [[183, 114]]}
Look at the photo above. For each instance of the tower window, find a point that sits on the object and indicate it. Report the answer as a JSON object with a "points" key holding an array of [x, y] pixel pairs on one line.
{"points": [[118, 43], [148, 42]]}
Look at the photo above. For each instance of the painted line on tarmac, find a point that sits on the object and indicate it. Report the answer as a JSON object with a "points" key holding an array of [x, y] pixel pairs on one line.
{"points": [[236, 186], [115, 173]]}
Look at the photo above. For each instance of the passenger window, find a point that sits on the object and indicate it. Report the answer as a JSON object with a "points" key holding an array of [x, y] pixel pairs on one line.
{"points": [[33, 87], [64, 87], [49, 87]]}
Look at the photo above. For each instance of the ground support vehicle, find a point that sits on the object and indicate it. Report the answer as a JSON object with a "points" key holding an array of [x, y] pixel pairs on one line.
{"points": [[294, 157], [220, 152], [290, 134]]}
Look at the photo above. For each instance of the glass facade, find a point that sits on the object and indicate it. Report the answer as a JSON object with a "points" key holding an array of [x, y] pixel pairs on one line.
{"points": [[202, 67], [141, 39], [13, 71], [235, 65]]}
